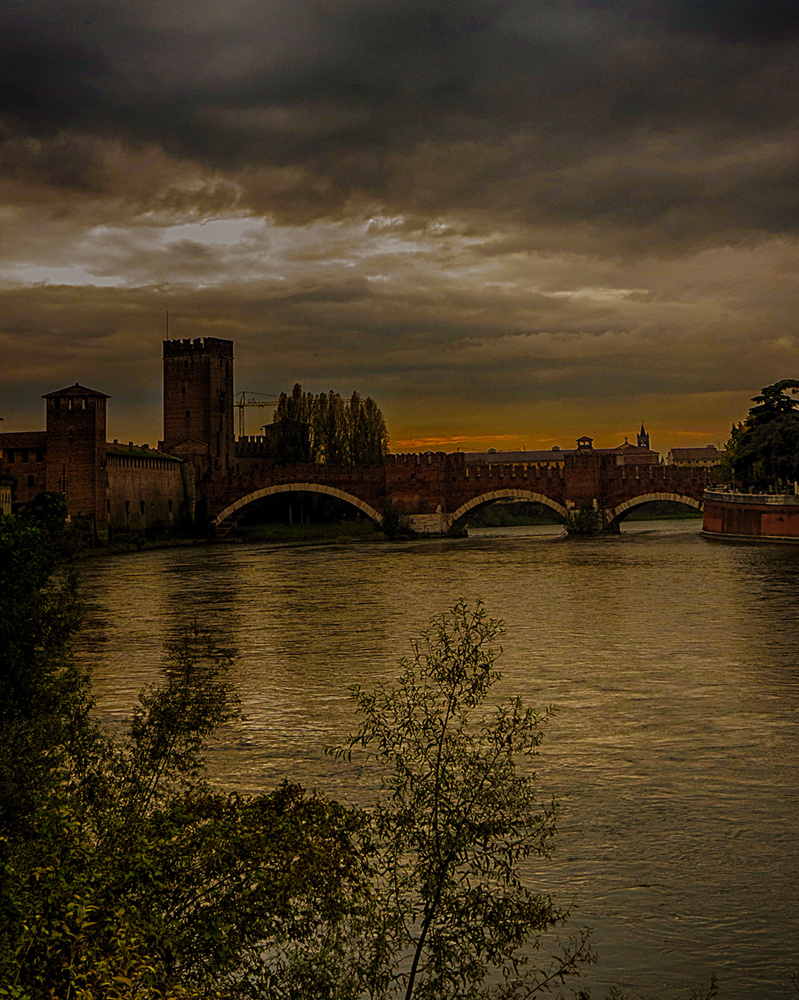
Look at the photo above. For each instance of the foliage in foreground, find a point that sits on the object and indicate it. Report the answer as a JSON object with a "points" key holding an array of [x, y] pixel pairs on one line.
{"points": [[43, 693], [448, 915], [122, 873]]}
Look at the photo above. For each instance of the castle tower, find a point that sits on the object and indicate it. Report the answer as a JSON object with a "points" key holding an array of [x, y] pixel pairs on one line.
{"points": [[643, 437], [198, 402], [75, 458]]}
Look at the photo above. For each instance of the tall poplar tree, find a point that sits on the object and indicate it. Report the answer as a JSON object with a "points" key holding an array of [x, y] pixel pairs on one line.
{"points": [[323, 428]]}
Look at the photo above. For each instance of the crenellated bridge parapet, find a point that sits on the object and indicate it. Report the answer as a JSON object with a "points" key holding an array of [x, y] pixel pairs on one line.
{"points": [[438, 492]]}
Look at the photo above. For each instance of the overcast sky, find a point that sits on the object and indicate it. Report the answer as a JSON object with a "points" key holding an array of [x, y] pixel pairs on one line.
{"points": [[511, 223]]}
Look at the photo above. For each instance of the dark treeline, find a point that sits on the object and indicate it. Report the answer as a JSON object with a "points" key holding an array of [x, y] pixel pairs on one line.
{"points": [[326, 428]]}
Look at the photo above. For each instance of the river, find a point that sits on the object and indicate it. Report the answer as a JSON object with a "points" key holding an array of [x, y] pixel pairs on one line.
{"points": [[674, 751]]}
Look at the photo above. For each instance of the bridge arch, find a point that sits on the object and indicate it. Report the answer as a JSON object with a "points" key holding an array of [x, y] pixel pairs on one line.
{"points": [[462, 512], [227, 518], [616, 515]]}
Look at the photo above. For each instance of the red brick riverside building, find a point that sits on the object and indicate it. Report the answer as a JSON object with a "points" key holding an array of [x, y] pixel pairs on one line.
{"points": [[107, 485]]}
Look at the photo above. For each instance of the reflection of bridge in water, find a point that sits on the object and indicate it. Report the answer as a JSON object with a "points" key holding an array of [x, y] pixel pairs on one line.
{"points": [[439, 492]]}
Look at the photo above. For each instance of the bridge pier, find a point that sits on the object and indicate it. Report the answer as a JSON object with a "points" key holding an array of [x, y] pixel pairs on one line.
{"points": [[431, 525]]}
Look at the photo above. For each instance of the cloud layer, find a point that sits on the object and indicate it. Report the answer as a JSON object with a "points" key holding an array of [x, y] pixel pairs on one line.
{"points": [[505, 221]]}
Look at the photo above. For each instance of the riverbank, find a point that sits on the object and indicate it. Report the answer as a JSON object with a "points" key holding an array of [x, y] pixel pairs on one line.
{"points": [[346, 533], [748, 517], [126, 545], [343, 533]]}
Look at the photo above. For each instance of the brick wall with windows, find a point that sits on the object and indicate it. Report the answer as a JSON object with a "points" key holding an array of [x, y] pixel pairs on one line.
{"points": [[23, 456]]}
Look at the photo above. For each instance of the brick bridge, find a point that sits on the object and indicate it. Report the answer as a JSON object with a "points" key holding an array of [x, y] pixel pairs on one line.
{"points": [[439, 492]]}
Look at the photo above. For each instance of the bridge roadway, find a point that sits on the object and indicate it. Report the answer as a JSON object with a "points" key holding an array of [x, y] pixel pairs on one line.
{"points": [[439, 492]]}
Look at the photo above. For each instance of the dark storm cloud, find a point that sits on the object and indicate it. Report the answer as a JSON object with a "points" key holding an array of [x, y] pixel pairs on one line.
{"points": [[653, 121], [484, 214]]}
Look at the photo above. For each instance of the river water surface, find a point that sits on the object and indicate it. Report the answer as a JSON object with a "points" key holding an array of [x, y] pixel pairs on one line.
{"points": [[674, 753]]}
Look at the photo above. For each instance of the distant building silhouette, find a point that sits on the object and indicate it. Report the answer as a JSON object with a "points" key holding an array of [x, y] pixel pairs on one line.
{"points": [[700, 458]]}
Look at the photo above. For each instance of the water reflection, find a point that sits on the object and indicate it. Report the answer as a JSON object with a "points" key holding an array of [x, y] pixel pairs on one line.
{"points": [[672, 663]]}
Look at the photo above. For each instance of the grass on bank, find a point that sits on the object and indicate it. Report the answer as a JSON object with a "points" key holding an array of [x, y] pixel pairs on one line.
{"points": [[345, 533]]}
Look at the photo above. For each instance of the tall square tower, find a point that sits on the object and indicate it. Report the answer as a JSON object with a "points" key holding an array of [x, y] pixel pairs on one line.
{"points": [[75, 457], [198, 402]]}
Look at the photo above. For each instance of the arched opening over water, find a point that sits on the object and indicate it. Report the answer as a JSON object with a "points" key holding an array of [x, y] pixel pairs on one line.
{"points": [[466, 512], [655, 504], [227, 519]]}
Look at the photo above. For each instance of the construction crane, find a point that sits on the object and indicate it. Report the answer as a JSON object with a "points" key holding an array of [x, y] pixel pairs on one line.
{"points": [[246, 400]]}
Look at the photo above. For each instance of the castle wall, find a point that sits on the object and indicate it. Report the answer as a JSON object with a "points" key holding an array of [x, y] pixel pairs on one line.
{"points": [[418, 483], [143, 490]]}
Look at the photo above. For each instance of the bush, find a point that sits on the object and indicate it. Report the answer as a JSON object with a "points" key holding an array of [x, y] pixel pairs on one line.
{"points": [[447, 909]]}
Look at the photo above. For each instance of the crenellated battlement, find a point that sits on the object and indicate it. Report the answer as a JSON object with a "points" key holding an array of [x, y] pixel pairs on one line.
{"points": [[253, 446], [418, 458], [198, 345]]}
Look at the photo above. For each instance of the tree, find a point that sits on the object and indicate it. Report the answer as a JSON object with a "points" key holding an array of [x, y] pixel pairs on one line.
{"points": [[293, 416], [448, 913], [764, 450], [122, 872], [366, 432], [141, 875], [585, 520], [44, 695], [772, 403], [325, 429], [393, 521], [330, 423]]}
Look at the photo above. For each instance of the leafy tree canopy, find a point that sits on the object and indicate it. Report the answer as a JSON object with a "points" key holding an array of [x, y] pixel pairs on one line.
{"points": [[763, 451], [44, 695], [122, 872], [326, 428]]}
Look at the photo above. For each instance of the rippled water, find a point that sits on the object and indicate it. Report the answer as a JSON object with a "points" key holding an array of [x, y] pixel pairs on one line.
{"points": [[674, 753]]}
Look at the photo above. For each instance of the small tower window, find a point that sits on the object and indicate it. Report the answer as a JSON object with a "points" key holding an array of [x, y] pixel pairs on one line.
{"points": [[188, 414]]}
